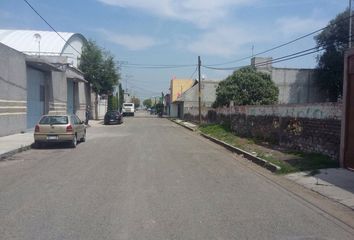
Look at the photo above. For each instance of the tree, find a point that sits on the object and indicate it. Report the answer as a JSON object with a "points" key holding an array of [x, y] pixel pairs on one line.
{"points": [[330, 64], [121, 96], [99, 69], [147, 103], [109, 74], [136, 102], [159, 108], [246, 86], [111, 103]]}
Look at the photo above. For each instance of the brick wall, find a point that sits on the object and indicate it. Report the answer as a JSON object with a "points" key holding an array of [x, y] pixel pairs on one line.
{"points": [[319, 132]]}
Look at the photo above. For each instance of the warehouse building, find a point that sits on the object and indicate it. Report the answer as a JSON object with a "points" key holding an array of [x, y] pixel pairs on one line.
{"points": [[38, 75]]}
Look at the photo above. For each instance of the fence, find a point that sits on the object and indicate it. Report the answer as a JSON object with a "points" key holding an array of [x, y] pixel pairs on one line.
{"points": [[305, 127]]}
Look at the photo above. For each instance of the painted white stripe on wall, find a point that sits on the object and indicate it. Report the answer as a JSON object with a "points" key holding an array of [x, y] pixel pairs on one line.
{"points": [[15, 113], [63, 104], [22, 107], [15, 101]]}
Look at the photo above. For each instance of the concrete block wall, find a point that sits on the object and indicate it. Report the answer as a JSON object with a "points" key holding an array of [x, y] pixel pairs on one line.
{"points": [[307, 127], [311, 135], [13, 91]]}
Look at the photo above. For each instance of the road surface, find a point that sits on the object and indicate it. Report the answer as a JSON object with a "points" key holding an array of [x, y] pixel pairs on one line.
{"points": [[150, 179]]}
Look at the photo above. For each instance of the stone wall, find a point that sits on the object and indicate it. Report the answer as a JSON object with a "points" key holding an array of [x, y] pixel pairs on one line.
{"points": [[305, 127]]}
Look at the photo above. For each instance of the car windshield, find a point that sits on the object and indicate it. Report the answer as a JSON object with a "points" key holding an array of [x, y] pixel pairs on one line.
{"points": [[112, 113], [51, 120]]}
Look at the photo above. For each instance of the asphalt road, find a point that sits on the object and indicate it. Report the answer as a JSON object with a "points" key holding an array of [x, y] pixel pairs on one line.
{"points": [[150, 179]]}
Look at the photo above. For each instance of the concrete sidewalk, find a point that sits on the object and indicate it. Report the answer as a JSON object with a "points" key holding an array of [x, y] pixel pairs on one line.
{"points": [[335, 183], [188, 125], [15, 143]]}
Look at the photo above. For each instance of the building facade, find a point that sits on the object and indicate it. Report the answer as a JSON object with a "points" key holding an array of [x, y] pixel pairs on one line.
{"points": [[296, 85], [177, 88], [189, 100], [33, 83]]}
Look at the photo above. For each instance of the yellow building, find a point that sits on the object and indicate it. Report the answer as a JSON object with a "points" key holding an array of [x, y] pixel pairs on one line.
{"points": [[177, 87]]}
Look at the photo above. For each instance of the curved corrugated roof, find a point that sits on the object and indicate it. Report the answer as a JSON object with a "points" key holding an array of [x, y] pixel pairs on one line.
{"points": [[25, 41]]}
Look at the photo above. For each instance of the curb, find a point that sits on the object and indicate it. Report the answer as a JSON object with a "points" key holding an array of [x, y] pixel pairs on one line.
{"points": [[189, 128], [259, 161], [13, 152]]}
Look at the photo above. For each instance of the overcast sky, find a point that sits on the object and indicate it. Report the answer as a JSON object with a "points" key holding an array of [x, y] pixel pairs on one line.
{"points": [[177, 31]]}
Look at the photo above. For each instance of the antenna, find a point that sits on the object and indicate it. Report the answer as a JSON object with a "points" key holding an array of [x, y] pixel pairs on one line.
{"points": [[37, 38]]}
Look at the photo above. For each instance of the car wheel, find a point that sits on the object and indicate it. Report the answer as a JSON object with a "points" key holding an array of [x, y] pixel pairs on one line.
{"points": [[74, 142], [83, 139], [37, 145]]}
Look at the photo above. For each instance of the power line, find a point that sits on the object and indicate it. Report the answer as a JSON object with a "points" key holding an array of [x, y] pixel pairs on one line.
{"points": [[141, 88], [157, 67], [309, 51], [50, 26], [276, 60], [283, 44], [195, 71], [298, 54]]}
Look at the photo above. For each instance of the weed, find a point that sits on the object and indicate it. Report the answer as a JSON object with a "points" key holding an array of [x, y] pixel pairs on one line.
{"points": [[288, 160]]}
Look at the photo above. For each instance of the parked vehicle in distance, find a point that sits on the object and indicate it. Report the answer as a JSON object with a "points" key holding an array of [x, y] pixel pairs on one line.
{"points": [[113, 117], [128, 109], [152, 111], [59, 129]]}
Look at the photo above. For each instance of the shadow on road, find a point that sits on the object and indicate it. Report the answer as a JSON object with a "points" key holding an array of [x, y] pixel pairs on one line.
{"points": [[339, 177], [53, 146]]}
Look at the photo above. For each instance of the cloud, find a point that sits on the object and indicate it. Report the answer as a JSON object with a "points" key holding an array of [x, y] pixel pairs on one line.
{"points": [[224, 42], [298, 25], [131, 42], [202, 13]]}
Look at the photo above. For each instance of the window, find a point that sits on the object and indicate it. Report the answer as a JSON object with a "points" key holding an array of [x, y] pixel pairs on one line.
{"points": [[51, 120]]}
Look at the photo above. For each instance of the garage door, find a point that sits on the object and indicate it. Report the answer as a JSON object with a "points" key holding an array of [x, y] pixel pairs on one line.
{"points": [[35, 96]]}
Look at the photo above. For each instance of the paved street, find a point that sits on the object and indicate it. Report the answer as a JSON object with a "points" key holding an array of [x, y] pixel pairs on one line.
{"points": [[150, 179]]}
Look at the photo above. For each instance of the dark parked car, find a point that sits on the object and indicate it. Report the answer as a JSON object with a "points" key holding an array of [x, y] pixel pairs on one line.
{"points": [[113, 117]]}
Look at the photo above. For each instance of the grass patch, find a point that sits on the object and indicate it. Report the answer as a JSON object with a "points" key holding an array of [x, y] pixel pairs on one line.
{"points": [[288, 161]]}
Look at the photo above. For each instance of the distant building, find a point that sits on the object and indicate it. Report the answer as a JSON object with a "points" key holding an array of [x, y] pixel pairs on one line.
{"points": [[177, 88], [38, 75], [189, 100], [127, 97], [296, 85]]}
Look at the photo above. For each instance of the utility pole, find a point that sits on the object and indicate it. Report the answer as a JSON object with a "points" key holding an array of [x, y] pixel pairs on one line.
{"points": [[350, 24], [199, 91], [118, 96]]}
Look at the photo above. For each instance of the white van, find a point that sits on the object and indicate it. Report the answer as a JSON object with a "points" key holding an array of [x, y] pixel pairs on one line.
{"points": [[128, 109]]}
